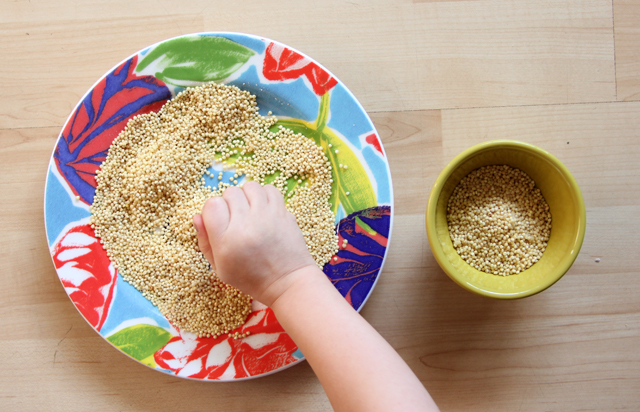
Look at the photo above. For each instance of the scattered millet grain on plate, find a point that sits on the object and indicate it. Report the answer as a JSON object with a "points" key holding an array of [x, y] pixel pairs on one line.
{"points": [[152, 184], [498, 220]]}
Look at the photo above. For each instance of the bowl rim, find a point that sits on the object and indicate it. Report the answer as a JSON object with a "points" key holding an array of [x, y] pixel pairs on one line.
{"points": [[436, 190]]}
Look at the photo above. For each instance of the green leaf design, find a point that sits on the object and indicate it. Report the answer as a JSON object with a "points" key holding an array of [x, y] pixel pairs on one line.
{"points": [[140, 341], [186, 60], [354, 179], [149, 361]]}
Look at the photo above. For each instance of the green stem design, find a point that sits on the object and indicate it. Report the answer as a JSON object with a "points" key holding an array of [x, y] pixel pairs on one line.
{"points": [[323, 113], [353, 180]]}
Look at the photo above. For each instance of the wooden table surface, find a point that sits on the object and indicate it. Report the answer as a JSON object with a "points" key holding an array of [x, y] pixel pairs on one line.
{"points": [[436, 76]]}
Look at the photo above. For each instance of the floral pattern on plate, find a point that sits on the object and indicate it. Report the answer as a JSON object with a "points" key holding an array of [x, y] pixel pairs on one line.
{"points": [[308, 99]]}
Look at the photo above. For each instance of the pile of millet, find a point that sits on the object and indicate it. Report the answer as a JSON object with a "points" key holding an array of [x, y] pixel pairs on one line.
{"points": [[498, 220], [152, 184]]}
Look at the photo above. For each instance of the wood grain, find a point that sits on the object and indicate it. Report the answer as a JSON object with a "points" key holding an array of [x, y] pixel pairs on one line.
{"points": [[553, 351], [627, 32], [436, 77], [417, 55]]}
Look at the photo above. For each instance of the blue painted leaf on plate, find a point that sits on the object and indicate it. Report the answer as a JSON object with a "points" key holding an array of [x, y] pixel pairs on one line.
{"points": [[100, 117], [354, 269]]}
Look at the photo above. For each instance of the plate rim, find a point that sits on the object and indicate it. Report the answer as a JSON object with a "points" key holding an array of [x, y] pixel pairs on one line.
{"points": [[266, 40]]}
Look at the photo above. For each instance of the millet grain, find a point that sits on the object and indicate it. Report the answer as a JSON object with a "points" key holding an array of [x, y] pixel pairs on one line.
{"points": [[498, 220], [152, 184]]}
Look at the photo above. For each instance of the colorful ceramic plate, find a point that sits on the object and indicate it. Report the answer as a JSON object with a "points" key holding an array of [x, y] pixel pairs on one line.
{"points": [[307, 98]]}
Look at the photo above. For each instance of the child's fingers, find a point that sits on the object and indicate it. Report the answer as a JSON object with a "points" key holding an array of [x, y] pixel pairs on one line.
{"points": [[255, 194], [236, 200], [203, 239], [215, 218], [274, 196]]}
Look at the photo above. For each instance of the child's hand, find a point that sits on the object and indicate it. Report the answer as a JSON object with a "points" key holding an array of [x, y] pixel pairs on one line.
{"points": [[254, 244], [252, 241]]}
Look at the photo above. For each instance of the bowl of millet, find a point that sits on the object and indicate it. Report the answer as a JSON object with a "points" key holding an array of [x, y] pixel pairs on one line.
{"points": [[505, 219]]}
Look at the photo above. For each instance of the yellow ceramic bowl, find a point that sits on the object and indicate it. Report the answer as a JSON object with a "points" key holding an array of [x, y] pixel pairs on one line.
{"points": [[561, 192]]}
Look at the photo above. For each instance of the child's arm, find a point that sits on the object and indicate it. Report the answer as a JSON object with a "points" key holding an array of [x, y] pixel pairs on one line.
{"points": [[254, 244]]}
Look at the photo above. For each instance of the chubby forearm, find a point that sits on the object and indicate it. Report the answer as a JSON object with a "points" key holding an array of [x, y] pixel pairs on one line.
{"points": [[358, 369], [254, 244]]}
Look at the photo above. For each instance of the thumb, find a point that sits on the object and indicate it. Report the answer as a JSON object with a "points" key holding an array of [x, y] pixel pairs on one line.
{"points": [[203, 239], [215, 216]]}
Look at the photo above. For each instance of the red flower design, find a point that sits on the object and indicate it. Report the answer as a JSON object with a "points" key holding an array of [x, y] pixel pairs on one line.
{"points": [[86, 273], [267, 348], [373, 140], [281, 63]]}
